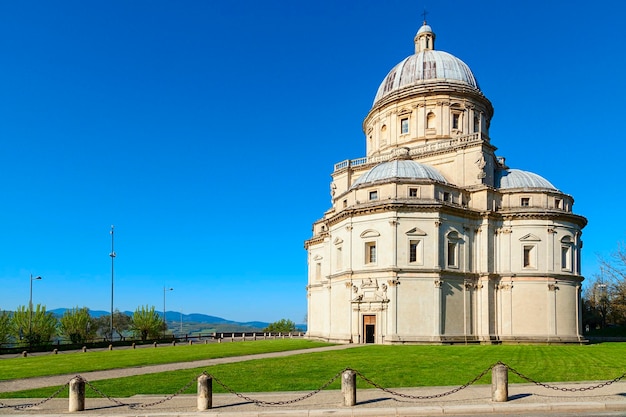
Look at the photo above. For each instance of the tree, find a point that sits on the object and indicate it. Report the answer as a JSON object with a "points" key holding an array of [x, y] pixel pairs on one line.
{"points": [[121, 324], [77, 325], [605, 294], [146, 323], [5, 327], [281, 326], [36, 331]]}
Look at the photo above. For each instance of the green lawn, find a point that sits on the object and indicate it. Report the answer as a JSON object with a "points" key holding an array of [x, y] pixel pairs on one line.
{"points": [[389, 366], [73, 363]]}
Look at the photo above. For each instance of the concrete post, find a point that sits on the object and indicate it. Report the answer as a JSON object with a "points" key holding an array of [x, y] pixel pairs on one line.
{"points": [[84, 349], [110, 347], [24, 354], [155, 344], [500, 383], [205, 392], [348, 387], [77, 394]]}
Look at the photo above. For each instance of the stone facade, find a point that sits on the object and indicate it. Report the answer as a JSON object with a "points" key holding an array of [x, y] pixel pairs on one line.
{"points": [[431, 238]]}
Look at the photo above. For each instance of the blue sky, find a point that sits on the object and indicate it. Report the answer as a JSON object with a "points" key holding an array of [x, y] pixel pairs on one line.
{"points": [[206, 132]]}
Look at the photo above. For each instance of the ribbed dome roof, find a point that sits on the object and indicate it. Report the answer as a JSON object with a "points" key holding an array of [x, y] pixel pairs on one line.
{"points": [[399, 169], [426, 65], [516, 178]]}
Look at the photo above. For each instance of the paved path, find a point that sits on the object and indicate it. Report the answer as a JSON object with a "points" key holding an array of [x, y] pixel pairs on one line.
{"points": [[524, 399], [51, 381]]}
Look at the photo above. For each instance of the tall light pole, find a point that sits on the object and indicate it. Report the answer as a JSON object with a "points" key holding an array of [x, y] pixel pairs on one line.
{"points": [[165, 289], [30, 308], [112, 255]]}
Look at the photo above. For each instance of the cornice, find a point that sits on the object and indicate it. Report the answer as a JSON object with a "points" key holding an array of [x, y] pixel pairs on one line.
{"points": [[404, 206], [541, 214]]}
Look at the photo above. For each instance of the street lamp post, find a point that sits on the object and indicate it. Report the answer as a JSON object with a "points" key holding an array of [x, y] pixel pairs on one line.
{"points": [[165, 289], [112, 255], [30, 308]]}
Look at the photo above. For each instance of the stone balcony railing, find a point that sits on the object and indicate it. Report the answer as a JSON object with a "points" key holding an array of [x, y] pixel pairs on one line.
{"points": [[420, 150]]}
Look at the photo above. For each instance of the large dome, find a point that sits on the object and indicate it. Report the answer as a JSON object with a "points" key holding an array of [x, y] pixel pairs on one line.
{"points": [[399, 169], [426, 65], [516, 178]]}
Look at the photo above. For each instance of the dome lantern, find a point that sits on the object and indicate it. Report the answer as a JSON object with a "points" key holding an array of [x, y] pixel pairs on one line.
{"points": [[424, 39]]}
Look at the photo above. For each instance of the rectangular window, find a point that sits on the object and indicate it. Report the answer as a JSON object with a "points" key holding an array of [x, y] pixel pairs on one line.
{"points": [[415, 251], [455, 120], [318, 271], [345, 203], [529, 256], [565, 258], [414, 192], [446, 196], [339, 258], [452, 255], [370, 252], [404, 126], [558, 203], [525, 201], [373, 195]]}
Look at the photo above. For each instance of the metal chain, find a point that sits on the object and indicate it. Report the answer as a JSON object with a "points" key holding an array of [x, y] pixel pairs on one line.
{"points": [[553, 387], [30, 405], [136, 405], [169, 397], [103, 395], [268, 403], [423, 397]]}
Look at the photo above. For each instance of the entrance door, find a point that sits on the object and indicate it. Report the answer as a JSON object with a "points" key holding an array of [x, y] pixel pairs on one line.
{"points": [[369, 328]]}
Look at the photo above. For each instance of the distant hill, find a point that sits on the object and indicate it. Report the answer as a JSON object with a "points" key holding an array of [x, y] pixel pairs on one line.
{"points": [[194, 322]]}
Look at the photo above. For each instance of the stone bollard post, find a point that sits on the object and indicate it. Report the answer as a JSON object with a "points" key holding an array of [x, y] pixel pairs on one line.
{"points": [[500, 383], [77, 394], [110, 347], [55, 351], [24, 354], [219, 340], [134, 345], [190, 342], [348, 387], [205, 392], [155, 344], [84, 349]]}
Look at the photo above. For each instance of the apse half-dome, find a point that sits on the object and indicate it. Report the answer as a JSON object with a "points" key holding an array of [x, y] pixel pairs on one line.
{"points": [[516, 178], [407, 169]]}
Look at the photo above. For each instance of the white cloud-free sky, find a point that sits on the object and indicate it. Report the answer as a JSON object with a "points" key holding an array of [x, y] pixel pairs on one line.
{"points": [[206, 132]]}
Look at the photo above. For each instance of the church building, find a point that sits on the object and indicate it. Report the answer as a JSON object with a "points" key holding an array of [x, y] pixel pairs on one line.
{"points": [[431, 237]]}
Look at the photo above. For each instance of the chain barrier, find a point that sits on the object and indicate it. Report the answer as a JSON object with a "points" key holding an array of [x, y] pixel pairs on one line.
{"points": [[555, 388], [38, 403], [312, 393], [272, 403], [423, 397]]}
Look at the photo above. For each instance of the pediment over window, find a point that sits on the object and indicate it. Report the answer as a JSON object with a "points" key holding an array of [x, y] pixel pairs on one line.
{"points": [[453, 235], [338, 241], [530, 238], [318, 258], [416, 231], [567, 239], [370, 233]]}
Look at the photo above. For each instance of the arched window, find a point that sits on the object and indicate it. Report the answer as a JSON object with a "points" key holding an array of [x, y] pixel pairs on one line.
{"points": [[430, 120]]}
